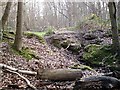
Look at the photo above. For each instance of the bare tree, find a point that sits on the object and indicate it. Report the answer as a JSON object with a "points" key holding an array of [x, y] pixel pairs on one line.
{"points": [[6, 13], [115, 38]]}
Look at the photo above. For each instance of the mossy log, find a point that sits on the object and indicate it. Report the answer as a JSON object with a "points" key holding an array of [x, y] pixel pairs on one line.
{"points": [[60, 74]]}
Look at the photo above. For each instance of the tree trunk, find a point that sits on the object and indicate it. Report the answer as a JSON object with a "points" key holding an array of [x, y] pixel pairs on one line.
{"points": [[18, 36], [115, 38], [6, 13], [118, 14], [54, 74], [1, 33]]}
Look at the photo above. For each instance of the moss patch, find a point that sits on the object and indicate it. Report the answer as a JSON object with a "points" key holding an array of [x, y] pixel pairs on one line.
{"points": [[82, 67], [38, 35], [99, 54], [25, 52]]}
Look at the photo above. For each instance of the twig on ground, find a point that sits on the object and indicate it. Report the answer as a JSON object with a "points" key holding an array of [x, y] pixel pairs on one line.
{"points": [[4, 66], [26, 80]]}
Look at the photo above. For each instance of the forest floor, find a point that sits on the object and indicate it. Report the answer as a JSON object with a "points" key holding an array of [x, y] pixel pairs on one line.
{"points": [[47, 58]]}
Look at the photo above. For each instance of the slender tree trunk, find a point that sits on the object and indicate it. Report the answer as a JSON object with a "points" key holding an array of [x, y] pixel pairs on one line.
{"points": [[18, 36], [6, 13], [99, 9], [118, 14], [1, 33], [115, 38]]}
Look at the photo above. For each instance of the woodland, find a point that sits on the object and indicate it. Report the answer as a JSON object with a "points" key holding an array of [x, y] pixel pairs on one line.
{"points": [[59, 45]]}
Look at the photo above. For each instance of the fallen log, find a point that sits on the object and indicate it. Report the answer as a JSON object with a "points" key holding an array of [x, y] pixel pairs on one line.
{"points": [[60, 74], [97, 83], [54, 75]]}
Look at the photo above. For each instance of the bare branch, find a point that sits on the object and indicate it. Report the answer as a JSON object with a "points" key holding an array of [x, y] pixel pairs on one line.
{"points": [[26, 80], [4, 66]]}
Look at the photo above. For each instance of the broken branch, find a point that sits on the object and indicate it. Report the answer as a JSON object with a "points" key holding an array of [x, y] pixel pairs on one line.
{"points": [[26, 80], [4, 66]]}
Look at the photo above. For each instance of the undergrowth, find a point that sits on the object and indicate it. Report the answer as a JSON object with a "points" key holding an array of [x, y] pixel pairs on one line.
{"points": [[93, 22], [49, 31]]}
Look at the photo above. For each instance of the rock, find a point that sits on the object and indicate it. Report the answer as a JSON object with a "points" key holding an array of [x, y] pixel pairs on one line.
{"points": [[56, 42], [93, 37], [97, 83], [73, 40], [116, 74], [75, 48], [65, 44], [108, 34], [89, 36], [11, 32], [96, 41], [68, 40], [7, 36]]}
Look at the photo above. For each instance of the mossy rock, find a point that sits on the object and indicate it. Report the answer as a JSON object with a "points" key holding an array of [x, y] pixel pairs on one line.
{"points": [[100, 55], [71, 46], [65, 43], [8, 37], [56, 43], [12, 32], [74, 47]]}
